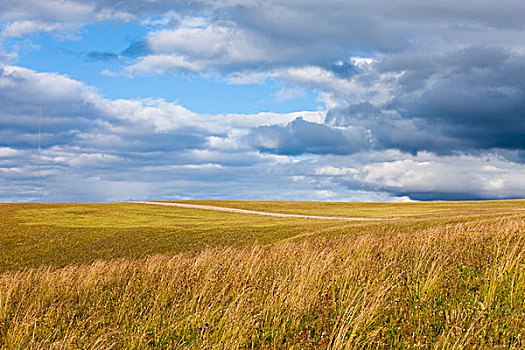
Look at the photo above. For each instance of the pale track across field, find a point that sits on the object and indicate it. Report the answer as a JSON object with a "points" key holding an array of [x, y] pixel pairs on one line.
{"points": [[242, 211]]}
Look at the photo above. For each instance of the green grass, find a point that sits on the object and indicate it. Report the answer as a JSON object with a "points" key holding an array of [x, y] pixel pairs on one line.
{"points": [[447, 275]]}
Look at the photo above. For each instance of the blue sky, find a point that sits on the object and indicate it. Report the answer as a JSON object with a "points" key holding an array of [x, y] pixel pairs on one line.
{"points": [[294, 100], [84, 59]]}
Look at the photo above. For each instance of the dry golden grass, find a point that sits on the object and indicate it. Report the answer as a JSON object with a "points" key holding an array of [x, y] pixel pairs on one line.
{"points": [[375, 210], [32, 235], [444, 285]]}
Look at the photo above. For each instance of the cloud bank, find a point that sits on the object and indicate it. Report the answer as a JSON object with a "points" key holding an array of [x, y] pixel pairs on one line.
{"points": [[421, 101]]}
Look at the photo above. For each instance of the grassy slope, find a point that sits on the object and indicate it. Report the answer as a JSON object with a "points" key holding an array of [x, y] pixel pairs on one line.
{"points": [[61, 234], [447, 275], [377, 210]]}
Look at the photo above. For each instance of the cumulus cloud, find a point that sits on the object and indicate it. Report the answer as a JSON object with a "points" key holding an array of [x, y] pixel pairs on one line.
{"points": [[300, 136], [426, 176], [467, 100], [462, 100], [63, 17], [305, 33], [245, 34], [136, 149], [195, 48], [95, 143]]}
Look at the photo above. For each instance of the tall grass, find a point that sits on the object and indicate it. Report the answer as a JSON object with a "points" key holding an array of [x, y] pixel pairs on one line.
{"points": [[453, 286]]}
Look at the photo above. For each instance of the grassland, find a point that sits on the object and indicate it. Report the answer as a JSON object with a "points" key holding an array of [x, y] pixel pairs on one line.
{"points": [[98, 276]]}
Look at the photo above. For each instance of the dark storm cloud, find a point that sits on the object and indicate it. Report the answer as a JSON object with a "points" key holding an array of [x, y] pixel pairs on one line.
{"points": [[319, 32], [301, 136], [471, 99], [467, 100]]}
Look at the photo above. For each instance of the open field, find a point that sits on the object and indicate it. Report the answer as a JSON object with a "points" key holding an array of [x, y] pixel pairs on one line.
{"points": [[442, 275], [373, 210], [253, 212]]}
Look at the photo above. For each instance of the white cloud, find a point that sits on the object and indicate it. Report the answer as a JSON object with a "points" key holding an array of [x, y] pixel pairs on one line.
{"points": [[362, 62], [165, 149], [21, 28], [289, 93], [247, 77], [25, 85], [78, 157], [63, 18], [8, 152], [425, 175], [364, 85], [49, 10], [334, 171], [157, 114], [197, 45], [109, 73], [10, 170], [203, 166], [160, 64]]}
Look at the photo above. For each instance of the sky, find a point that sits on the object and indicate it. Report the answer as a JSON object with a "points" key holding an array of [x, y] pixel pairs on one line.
{"points": [[333, 100]]}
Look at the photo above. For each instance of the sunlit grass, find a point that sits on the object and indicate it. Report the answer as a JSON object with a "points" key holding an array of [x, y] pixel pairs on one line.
{"points": [[59, 234], [179, 278], [377, 210]]}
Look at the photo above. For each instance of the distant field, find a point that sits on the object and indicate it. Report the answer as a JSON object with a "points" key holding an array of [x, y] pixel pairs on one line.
{"points": [[442, 275], [376, 210], [32, 235]]}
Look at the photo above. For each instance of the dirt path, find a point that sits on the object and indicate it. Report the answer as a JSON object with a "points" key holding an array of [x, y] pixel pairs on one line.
{"points": [[242, 211]]}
